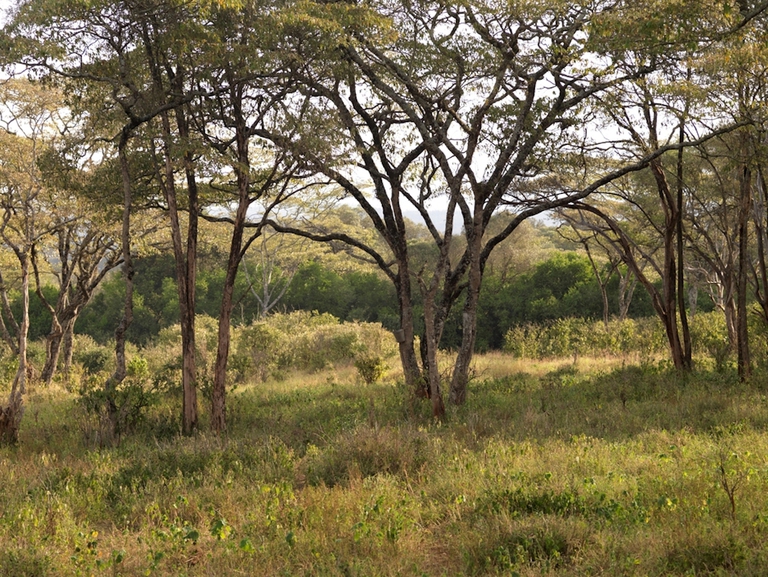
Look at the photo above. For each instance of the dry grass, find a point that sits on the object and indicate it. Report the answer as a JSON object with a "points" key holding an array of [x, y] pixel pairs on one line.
{"points": [[550, 469]]}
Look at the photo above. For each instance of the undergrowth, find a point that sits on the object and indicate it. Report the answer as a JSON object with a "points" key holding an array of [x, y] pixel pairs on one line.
{"points": [[562, 470]]}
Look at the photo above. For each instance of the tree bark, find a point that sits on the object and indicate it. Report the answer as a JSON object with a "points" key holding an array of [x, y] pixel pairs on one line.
{"points": [[406, 345], [12, 413], [460, 378], [185, 260], [242, 169], [68, 346], [120, 372], [742, 348], [52, 349], [685, 329]]}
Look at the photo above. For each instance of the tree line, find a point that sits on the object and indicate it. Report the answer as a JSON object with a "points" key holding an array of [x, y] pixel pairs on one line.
{"points": [[633, 123]]}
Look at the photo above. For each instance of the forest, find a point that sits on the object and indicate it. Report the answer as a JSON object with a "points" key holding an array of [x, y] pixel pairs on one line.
{"points": [[383, 287]]}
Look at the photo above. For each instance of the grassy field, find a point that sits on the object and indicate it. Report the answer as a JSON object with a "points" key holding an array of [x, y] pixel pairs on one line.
{"points": [[552, 468]]}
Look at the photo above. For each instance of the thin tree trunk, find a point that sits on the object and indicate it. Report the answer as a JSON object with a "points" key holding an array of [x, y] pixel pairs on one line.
{"points": [[460, 378], [67, 347], [432, 343], [760, 214], [52, 349], [729, 312], [12, 413], [668, 309], [189, 379], [118, 376], [218, 398], [627, 284], [13, 343], [686, 332], [411, 370], [742, 348]]}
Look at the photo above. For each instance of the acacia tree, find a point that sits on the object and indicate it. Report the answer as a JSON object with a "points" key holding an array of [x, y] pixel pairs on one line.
{"points": [[30, 120], [603, 271], [139, 56], [471, 104], [83, 254]]}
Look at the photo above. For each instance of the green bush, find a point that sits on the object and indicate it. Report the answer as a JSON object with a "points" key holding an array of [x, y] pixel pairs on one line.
{"points": [[709, 336], [576, 336], [130, 401], [310, 342], [94, 361], [370, 368], [24, 563]]}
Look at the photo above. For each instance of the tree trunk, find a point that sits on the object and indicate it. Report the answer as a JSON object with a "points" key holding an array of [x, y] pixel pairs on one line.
{"points": [[218, 397], [432, 341], [185, 260], [52, 349], [118, 376], [760, 215], [68, 345], [686, 332], [729, 312], [668, 304], [11, 414], [460, 377], [693, 299], [411, 370], [627, 284], [7, 313], [742, 342], [189, 378]]}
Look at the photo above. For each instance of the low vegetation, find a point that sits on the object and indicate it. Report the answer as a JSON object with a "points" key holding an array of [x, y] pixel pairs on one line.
{"points": [[577, 466]]}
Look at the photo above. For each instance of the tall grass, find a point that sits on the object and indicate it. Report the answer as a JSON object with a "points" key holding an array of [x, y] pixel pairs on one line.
{"points": [[554, 469]]}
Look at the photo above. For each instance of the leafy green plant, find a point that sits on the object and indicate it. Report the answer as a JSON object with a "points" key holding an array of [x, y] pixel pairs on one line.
{"points": [[370, 367]]}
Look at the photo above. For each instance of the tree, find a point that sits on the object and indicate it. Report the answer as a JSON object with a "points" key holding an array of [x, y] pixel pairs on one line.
{"points": [[476, 105], [30, 119]]}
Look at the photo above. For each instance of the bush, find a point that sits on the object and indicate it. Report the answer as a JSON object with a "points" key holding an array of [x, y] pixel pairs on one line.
{"points": [[575, 336], [365, 452], [130, 401], [709, 336], [370, 368], [311, 342], [94, 358]]}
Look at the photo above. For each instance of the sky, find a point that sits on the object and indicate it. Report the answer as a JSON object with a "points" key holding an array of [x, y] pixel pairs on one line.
{"points": [[4, 6]]}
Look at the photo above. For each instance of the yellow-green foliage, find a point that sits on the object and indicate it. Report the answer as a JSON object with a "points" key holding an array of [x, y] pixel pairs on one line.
{"points": [[576, 336], [308, 341], [643, 339]]}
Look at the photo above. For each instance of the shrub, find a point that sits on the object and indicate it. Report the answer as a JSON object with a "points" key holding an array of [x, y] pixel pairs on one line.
{"points": [[370, 368], [575, 336], [130, 401], [23, 563], [94, 359], [311, 342], [709, 336], [365, 452]]}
